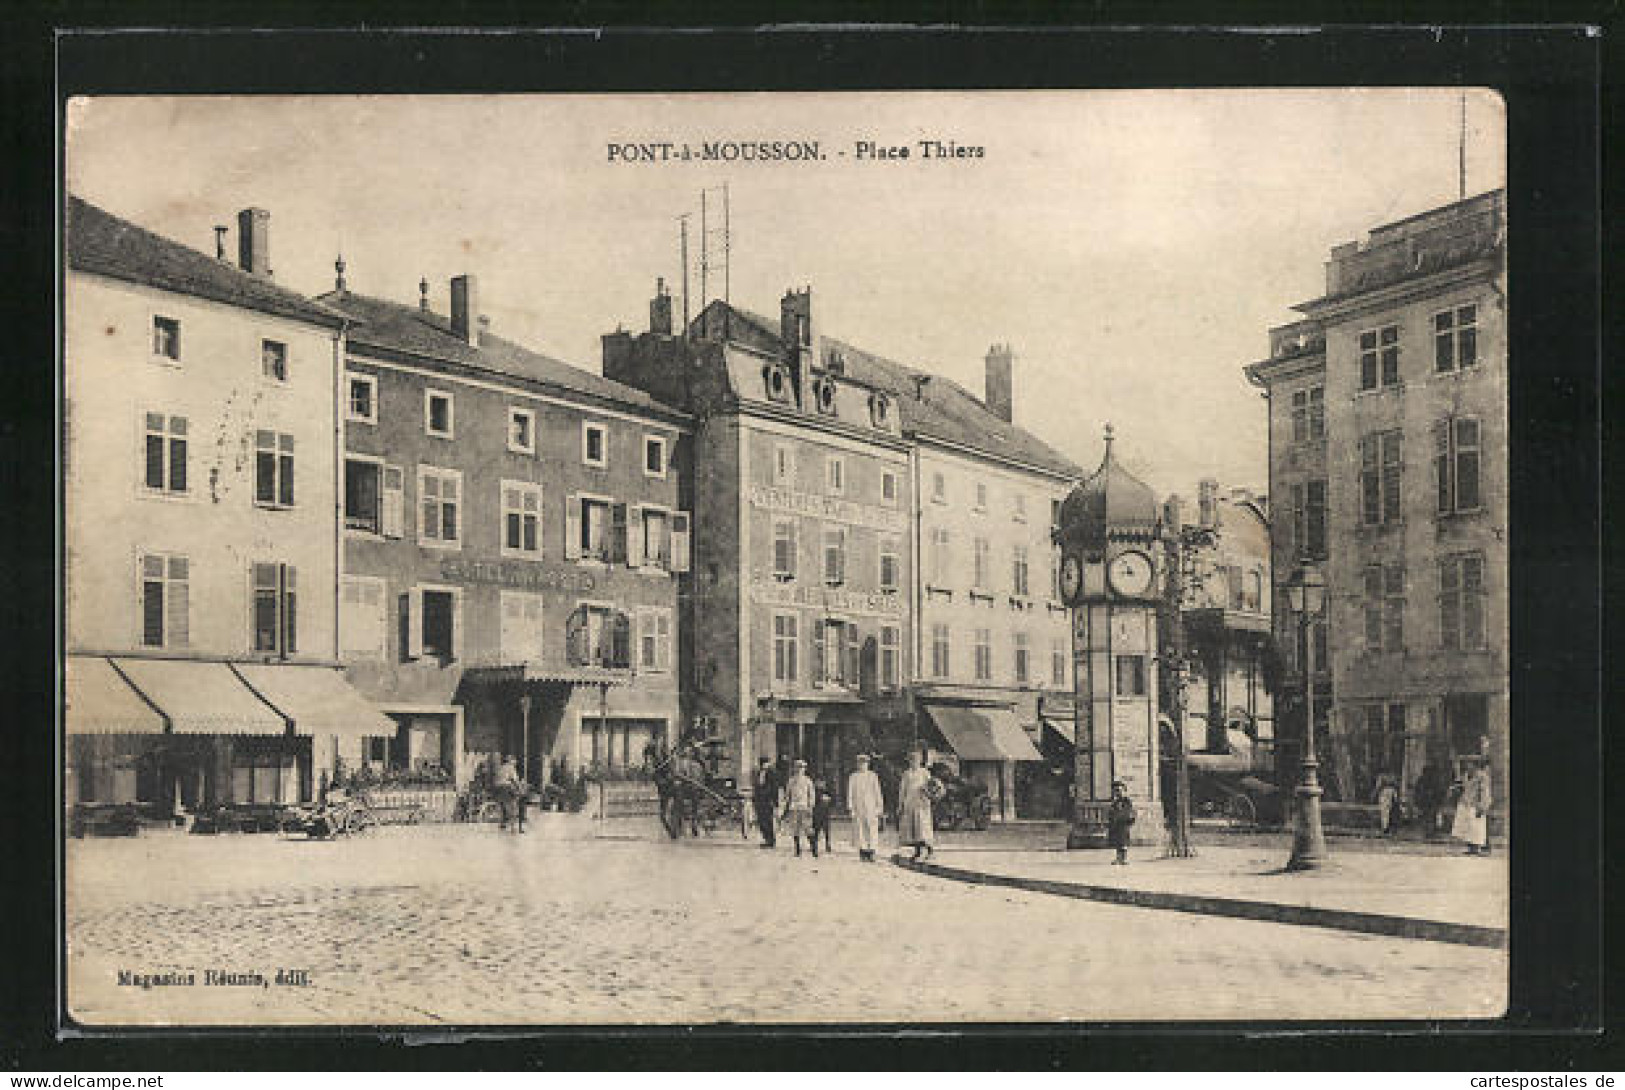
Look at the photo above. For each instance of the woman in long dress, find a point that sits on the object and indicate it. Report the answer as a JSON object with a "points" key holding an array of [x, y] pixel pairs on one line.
{"points": [[914, 800], [1472, 824], [863, 798]]}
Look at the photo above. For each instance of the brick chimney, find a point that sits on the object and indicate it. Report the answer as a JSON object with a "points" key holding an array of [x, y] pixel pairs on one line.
{"points": [[1000, 399], [465, 309], [660, 310], [254, 241], [800, 342]]}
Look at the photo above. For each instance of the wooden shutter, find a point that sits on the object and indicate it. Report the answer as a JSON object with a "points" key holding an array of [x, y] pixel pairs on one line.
{"points": [[413, 601], [817, 665], [621, 644], [663, 640], [457, 626], [634, 537], [616, 545], [575, 636], [851, 668], [572, 527], [393, 513], [679, 543], [177, 605]]}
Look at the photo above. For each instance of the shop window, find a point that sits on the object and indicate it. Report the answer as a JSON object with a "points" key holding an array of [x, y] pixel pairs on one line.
{"points": [[275, 609], [165, 453], [273, 469]]}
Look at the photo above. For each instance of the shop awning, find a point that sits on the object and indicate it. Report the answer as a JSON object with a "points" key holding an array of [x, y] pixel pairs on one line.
{"points": [[99, 701], [983, 734], [583, 675], [317, 699], [1061, 726], [202, 697]]}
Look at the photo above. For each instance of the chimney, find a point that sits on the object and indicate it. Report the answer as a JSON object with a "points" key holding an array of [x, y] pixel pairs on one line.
{"points": [[1337, 268], [796, 332], [660, 309], [1207, 503], [220, 230], [465, 309], [423, 295], [1000, 399], [1173, 513], [254, 241]]}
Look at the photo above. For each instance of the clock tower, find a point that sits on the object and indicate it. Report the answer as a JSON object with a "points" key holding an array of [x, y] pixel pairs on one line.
{"points": [[1110, 576]]}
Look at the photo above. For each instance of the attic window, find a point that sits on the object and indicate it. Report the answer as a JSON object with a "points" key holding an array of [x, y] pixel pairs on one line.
{"points": [[166, 338]]}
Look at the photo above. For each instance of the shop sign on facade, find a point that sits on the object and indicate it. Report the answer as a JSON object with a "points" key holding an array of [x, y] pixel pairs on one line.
{"points": [[522, 575], [888, 519], [826, 599]]}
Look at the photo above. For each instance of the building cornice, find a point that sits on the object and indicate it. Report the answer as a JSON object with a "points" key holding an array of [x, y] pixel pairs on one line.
{"points": [[1266, 372], [1336, 309], [926, 439]]}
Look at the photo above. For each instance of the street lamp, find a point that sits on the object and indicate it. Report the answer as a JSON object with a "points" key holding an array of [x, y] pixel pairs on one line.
{"points": [[1306, 594]]}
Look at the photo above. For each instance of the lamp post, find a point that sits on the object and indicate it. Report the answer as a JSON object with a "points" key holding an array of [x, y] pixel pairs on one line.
{"points": [[1181, 544], [1306, 593]]}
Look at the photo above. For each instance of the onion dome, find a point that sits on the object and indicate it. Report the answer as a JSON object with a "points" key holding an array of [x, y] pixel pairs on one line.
{"points": [[1112, 505]]}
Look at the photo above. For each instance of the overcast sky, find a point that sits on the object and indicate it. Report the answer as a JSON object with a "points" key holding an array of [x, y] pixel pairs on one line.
{"points": [[1133, 247]]}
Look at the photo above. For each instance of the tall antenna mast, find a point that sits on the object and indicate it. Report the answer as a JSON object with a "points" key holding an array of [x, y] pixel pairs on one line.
{"points": [[683, 219], [1461, 152]]}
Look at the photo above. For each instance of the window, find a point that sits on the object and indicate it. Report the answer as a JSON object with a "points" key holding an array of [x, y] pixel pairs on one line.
{"points": [[1308, 414], [600, 636], [394, 503], [521, 519], [941, 559], [1461, 602], [439, 631], [362, 623], [941, 661], [1018, 571], [1379, 357], [595, 445], [784, 466], [1385, 607], [984, 654], [939, 488], [1455, 339], [521, 430], [651, 539], [439, 522], [274, 360], [166, 338], [1019, 512], [888, 488], [891, 656], [438, 418], [521, 634], [1130, 675], [1380, 467], [1057, 665], [361, 404], [1309, 519], [165, 601], [784, 549], [588, 532], [784, 648], [1023, 658], [165, 454], [981, 495], [654, 640], [654, 456], [981, 573], [1456, 455], [836, 659], [273, 469], [834, 555], [363, 498], [275, 613], [835, 475], [891, 577]]}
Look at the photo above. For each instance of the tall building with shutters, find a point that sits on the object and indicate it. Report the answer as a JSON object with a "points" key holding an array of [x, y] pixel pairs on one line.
{"points": [[513, 546], [1388, 468], [200, 490]]}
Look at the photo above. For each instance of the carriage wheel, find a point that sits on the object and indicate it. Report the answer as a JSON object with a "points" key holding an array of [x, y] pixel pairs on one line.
{"points": [[1240, 812], [671, 816]]}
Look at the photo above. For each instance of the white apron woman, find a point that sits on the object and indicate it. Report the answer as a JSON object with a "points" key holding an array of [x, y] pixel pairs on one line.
{"points": [[1472, 824], [864, 800], [914, 796]]}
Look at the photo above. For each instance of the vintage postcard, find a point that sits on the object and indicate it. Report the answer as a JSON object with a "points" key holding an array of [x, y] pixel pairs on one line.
{"points": [[646, 559]]}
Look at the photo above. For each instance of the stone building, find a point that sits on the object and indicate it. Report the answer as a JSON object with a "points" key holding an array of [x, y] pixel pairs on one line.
{"points": [[1388, 466], [513, 546], [200, 491]]}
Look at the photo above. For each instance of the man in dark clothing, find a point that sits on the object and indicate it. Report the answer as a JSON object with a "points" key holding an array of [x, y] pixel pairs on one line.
{"points": [[823, 807], [1119, 819], [765, 800]]}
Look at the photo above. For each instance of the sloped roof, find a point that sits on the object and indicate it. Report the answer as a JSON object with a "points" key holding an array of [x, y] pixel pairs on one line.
{"points": [[400, 328], [938, 409], [102, 243]]}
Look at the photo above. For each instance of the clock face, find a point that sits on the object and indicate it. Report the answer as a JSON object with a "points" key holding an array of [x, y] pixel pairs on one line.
{"points": [[1130, 574], [1071, 578]]}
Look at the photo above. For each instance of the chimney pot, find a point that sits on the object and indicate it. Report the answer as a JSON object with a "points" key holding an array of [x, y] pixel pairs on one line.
{"points": [[465, 309], [423, 295], [254, 241]]}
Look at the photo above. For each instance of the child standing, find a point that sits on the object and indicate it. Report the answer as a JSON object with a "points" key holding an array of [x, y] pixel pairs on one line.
{"points": [[1119, 819], [823, 804]]}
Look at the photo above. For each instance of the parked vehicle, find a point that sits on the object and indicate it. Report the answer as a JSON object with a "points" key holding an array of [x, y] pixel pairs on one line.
{"points": [[336, 817]]}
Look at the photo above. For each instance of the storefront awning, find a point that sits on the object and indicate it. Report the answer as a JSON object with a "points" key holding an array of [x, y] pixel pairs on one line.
{"points": [[317, 699], [1062, 727], [99, 701], [983, 734], [584, 675], [202, 697]]}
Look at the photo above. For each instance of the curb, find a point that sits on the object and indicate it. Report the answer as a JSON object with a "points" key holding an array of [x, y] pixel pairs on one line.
{"points": [[1369, 923]]}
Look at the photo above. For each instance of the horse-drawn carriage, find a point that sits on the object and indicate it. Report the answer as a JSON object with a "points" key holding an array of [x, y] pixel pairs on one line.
{"points": [[693, 794]]}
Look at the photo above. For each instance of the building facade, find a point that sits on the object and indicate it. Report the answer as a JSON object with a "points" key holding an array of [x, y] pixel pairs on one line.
{"points": [[514, 543], [200, 489], [1388, 467]]}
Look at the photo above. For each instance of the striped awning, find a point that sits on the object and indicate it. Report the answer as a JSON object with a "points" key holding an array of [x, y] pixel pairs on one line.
{"points": [[201, 697], [99, 701], [316, 700]]}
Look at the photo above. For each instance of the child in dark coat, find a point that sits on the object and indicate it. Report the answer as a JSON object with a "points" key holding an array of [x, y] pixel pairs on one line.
{"points": [[823, 804], [1119, 819]]}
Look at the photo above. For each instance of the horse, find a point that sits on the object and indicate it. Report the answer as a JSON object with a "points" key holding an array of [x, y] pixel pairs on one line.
{"points": [[679, 780]]}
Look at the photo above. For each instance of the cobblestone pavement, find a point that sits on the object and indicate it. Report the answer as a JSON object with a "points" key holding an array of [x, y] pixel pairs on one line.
{"points": [[468, 925]]}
